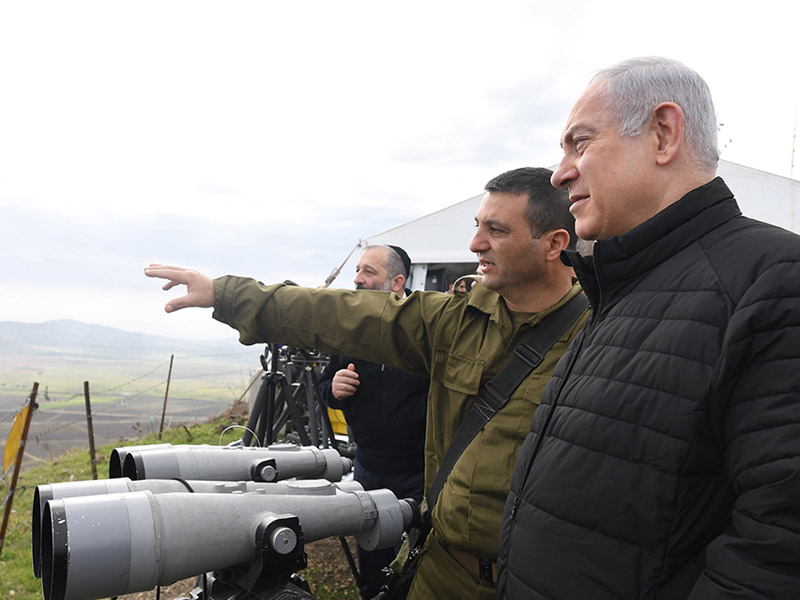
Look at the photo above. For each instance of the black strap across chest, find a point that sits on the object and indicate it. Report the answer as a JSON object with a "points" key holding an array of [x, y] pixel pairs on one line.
{"points": [[495, 393]]}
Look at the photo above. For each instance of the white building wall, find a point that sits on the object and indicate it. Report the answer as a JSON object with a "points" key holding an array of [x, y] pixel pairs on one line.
{"points": [[442, 237], [764, 196]]}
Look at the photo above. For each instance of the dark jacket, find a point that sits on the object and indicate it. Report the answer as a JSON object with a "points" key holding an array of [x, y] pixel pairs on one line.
{"points": [[386, 415], [669, 466]]}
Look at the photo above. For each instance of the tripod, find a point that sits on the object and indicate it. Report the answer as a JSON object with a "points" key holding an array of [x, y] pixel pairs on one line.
{"points": [[288, 400]]}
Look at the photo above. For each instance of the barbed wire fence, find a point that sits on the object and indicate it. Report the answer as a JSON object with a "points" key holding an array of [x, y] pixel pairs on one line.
{"points": [[208, 387], [143, 388]]}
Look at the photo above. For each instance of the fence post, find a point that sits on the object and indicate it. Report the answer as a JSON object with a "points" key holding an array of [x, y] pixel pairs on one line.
{"points": [[18, 464], [90, 428], [166, 393]]}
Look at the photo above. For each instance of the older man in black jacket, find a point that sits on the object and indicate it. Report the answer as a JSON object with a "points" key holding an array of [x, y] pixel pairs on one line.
{"points": [[664, 462], [385, 409]]}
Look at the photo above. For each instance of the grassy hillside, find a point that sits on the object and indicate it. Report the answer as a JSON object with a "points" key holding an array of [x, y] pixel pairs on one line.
{"points": [[127, 375], [327, 572]]}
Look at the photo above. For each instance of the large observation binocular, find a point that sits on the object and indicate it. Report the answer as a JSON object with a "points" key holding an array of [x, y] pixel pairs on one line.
{"points": [[99, 539], [228, 463]]}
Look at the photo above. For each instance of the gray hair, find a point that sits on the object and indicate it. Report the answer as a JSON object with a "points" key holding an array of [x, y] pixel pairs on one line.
{"points": [[394, 264], [638, 85]]}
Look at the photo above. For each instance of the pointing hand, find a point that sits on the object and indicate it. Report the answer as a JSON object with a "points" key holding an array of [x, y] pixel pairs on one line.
{"points": [[199, 287]]}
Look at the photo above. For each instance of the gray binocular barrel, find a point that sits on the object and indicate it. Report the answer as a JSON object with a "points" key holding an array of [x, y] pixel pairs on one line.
{"points": [[108, 545], [74, 489], [235, 463]]}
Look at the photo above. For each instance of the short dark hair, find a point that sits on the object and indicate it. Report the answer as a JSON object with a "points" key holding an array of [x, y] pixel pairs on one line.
{"points": [[548, 206]]}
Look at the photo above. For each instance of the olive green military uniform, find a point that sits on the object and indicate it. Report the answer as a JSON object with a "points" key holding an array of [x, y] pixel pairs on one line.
{"points": [[459, 341]]}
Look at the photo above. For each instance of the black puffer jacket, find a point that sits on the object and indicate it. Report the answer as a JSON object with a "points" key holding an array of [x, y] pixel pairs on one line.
{"points": [[669, 466]]}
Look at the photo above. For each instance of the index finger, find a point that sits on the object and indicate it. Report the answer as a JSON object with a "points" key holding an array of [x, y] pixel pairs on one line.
{"points": [[164, 271]]}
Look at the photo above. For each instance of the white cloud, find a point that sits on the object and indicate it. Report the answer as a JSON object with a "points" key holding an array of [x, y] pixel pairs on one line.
{"points": [[267, 138]]}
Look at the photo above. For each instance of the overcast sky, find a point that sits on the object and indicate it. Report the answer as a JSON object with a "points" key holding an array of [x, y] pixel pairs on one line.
{"points": [[267, 138]]}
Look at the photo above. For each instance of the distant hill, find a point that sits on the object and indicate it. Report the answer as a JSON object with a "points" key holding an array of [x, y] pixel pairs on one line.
{"points": [[62, 354], [127, 375], [73, 339]]}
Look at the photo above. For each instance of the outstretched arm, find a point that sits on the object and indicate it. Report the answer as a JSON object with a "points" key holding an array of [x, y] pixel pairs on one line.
{"points": [[199, 287]]}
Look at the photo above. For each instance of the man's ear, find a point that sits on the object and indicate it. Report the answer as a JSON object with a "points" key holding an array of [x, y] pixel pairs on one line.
{"points": [[668, 124], [557, 240], [398, 285]]}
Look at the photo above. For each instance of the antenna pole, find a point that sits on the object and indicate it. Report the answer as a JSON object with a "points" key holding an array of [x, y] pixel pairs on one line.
{"points": [[794, 142], [335, 273]]}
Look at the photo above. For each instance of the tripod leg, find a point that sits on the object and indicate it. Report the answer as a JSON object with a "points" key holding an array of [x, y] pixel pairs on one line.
{"points": [[266, 433], [255, 413], [353, 567], [312, 406], [296, 416]]}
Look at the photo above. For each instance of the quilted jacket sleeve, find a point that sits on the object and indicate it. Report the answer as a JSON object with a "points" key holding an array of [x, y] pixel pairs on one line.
{"points": [[758, 406]]}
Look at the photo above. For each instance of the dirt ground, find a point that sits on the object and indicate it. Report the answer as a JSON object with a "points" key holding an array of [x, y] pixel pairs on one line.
{"points": [[326, 559]]}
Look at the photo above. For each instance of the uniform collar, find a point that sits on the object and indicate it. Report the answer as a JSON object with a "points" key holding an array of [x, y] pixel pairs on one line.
{"points": [[491, 303]]}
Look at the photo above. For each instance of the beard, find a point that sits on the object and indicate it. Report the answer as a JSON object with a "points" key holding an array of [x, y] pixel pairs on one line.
{"points": [[386, 286]]}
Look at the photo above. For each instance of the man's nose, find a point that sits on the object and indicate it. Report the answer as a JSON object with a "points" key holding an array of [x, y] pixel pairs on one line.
{"points": [[565, 173], [478, 242]]}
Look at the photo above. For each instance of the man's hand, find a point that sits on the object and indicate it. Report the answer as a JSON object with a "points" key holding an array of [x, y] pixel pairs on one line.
{"points": [[200, 288], [345, 382]]}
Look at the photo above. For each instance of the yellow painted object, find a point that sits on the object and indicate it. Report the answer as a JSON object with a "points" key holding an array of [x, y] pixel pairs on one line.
{"points": [[338, 421], [15, 437]]}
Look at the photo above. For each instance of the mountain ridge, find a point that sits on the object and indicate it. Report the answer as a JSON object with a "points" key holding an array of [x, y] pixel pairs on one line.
{"points": [[66, 337]]}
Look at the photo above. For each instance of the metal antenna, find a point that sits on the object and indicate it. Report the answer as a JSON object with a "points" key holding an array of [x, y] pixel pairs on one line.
{"points": [[335, 273], [794, 142]]}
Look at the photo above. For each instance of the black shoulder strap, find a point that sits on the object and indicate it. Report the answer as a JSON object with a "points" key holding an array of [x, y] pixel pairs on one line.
{"points": [[494, 394]]}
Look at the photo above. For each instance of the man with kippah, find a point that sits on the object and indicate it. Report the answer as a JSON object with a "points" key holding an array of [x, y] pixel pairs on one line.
{"points": [[384, 407]]}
